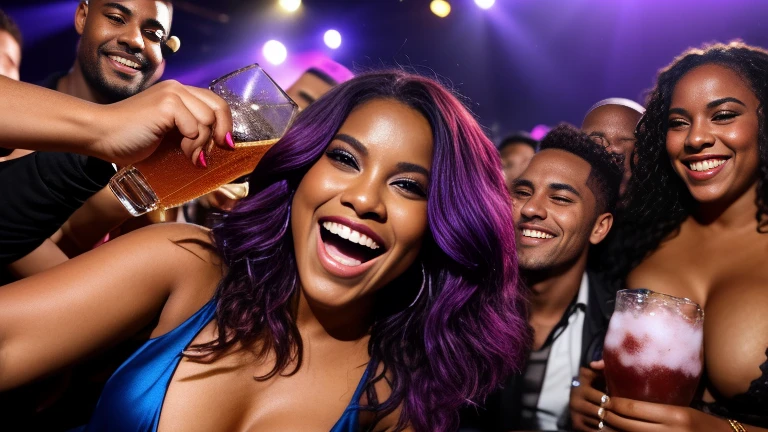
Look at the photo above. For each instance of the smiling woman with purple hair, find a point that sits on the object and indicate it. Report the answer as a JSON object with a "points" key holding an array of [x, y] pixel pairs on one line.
{"points": [[369, 283]]}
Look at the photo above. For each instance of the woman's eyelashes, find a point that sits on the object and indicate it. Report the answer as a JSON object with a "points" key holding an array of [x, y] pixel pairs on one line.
{"points": [[411, 186], [676, 123], [347, 160], [724, 116], [718, 117], [343, 157]]}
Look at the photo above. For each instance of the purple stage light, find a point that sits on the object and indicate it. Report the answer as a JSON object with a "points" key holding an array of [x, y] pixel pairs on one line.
{"points": [[539, 131], [332, 39]]}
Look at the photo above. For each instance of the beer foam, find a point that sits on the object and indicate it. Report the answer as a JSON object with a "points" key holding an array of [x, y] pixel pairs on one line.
{"points": [[661, 338]]}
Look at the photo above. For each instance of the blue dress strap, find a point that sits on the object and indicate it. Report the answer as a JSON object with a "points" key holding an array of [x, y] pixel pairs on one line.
{"points": [[350, 420], [133, 397]]}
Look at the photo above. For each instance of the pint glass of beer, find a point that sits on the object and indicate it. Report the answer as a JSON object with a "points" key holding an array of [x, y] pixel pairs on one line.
{"points": [[653, 348], [261, 113]]}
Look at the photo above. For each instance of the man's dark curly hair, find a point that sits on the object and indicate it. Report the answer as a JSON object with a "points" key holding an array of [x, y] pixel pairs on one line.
{"points": [[606, 173], [657, 200], [7, 24]]}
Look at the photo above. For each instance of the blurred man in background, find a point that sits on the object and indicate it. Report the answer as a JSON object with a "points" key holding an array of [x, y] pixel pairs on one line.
{"points": [[611, 123], [10, 47], [516, 152]]}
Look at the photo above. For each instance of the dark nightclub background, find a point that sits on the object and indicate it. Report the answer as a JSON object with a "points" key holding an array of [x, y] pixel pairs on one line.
{"points": [[520, 63]]}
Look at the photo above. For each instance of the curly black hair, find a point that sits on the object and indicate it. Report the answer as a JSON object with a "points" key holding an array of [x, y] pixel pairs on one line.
{"points": [[607, 168], [657, 200]]}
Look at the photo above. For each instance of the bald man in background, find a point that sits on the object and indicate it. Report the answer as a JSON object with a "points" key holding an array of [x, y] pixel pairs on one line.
{"points": [[611, 123]]}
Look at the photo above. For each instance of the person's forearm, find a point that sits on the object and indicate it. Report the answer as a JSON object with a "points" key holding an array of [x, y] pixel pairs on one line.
{"points": [[99, 215], [35, 118], [39, 192], [46, 256]]}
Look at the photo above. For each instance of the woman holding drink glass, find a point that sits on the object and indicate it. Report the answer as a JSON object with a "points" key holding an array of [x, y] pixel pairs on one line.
{"points": [[368, 283], [694, 227]]}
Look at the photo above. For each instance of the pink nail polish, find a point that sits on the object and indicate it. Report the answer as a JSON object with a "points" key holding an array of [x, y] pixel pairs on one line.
{"points": [[230, 141], [201, 160]]}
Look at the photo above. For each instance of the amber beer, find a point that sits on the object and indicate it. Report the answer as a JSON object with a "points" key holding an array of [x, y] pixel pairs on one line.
{"points": [[174, 181], [653, 348], [261, 113]]}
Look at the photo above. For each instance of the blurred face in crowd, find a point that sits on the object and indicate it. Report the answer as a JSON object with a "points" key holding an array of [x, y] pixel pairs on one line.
{"points": [[119, 52], [514, 159], [613, 127], [10, 56], [307, 89], [555, 212]]}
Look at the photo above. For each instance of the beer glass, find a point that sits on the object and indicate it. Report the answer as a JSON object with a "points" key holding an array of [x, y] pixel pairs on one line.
{"points": [[653, 348], [261, 113]]}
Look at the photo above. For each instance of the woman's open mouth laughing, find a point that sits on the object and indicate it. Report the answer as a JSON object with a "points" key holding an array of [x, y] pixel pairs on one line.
{"points": [[347, 249]]}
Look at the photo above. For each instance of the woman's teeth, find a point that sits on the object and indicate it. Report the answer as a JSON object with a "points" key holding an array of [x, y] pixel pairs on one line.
{"points": [[126, 62], [347, 233], [705, 165], [344, 260], [536, 234]]}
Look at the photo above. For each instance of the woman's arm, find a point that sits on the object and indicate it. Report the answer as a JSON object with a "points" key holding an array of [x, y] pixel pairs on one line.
{"points": [[57, 317]]}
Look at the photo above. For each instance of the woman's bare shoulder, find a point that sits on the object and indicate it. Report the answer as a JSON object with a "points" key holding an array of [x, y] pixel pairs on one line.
{"points": [[177, 237]]}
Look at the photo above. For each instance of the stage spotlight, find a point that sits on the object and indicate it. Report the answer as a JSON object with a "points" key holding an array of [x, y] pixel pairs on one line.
{"points": [[440, 8], [274, 52], [485, 4], [332, 38], [290, 5]]}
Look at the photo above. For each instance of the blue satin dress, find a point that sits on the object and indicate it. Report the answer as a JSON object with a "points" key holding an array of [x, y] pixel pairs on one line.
{"points": [[133, 397]]}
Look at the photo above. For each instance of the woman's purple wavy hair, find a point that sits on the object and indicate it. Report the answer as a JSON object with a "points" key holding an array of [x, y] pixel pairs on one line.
{"points": [[465, 333]]}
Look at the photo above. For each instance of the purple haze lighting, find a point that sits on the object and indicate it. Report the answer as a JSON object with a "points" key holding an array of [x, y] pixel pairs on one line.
{"points": [[539, 131], [57, 18], [332, 39]]}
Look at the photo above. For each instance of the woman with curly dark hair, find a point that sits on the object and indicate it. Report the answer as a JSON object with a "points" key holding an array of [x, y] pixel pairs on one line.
{"points": [[694, 226]]}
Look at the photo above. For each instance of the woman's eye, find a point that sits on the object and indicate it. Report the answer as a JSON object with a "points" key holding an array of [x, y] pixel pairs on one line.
{"points": [[343, 158], [724, 116], [676, 123], [411, 186]]}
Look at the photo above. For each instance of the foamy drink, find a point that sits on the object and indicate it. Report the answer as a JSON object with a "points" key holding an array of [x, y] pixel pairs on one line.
{"points": [[653, 348]]}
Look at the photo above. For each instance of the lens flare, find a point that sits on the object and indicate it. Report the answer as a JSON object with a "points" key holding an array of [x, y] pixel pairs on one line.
{"points": [[332, 39], [440, 8], [290, 5], [485, 4], [275, 52]]}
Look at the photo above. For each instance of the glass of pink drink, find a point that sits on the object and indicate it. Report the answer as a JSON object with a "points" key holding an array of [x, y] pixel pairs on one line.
{"points": [[653, 348]]}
